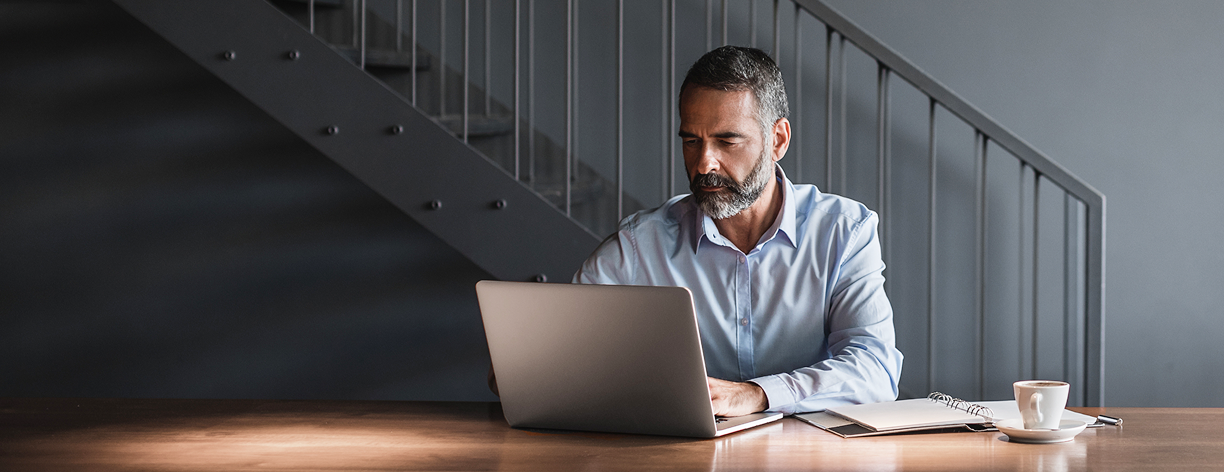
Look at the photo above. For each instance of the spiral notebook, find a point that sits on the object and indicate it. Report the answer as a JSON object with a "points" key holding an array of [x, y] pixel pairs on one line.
{"points": [[936, 412]]}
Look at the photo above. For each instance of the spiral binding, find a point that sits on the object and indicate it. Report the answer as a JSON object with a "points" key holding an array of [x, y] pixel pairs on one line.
{"points": [[952, 402]]}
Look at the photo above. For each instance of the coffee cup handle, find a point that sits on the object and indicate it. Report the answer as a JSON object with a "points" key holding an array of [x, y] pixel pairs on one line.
{"points": [[1033, 401]]}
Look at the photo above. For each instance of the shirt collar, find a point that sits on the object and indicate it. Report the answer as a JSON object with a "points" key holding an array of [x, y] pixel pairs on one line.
{"points": [[784, 225]]}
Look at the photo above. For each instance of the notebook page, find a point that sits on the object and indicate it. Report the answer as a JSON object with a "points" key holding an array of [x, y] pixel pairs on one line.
{"points": [[899, 414]]}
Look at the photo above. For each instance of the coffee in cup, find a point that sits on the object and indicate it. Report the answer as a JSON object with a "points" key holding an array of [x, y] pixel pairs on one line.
{"points": [[1041, 402]]}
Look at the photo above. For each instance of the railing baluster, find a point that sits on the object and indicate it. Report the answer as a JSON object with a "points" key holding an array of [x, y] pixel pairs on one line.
{"points": [[777, 35], [882, 112], [442, 58], [518, 134], [841, 110], [828, 109], [709, 24], [980, 145], [1069, 289], [363, 35], [620, 109], [413, 44], [752, 23], [932, 229], [672, 100], [796, 136], [488, 61], [531, 125], [1020, 276], [1036, 271], [399, 26], [310, 14], [577, 94], [569, 98], [467, 32], [724, 23]]}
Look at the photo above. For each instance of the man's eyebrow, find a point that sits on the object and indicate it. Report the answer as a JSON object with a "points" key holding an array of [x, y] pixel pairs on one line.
{"points": [[723, 135]]}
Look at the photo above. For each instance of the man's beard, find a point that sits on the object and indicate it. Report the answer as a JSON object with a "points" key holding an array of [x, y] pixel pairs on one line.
{"points": [[734, 196]]}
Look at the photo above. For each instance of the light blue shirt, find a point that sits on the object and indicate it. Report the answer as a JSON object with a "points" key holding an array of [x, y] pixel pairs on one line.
{"points": [[803, 314]]}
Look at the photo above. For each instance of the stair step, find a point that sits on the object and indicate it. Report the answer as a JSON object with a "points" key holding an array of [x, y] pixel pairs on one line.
{"points": [[385, 58], [479, 126]]}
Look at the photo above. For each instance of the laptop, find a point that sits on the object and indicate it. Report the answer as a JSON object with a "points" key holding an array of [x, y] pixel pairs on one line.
{"points": [[606, 358]]}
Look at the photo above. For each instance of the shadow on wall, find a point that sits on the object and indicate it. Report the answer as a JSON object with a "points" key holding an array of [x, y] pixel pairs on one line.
{"points": [[162, 237]]}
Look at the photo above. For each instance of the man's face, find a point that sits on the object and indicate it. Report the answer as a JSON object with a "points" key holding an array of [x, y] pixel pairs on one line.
{"points": [[725, 153]]}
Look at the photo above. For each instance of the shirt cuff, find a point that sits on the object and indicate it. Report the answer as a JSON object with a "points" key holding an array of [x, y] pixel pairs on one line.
{"points": [[776, 391]]}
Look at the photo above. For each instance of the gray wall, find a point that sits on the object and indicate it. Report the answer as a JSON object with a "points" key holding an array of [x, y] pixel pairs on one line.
{"points": [[162, 237], [1126, 95]]}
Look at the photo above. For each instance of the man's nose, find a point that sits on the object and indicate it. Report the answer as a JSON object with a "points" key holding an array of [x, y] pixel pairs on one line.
{"points": [[707, 160]]}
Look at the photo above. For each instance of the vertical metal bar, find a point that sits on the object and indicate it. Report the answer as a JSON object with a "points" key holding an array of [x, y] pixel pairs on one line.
{"points": [[797, 137], [363, 35], [467, 33], [709, 24], [466, 69], [1069, 294], [932, 229], [620, 109], [665, 178], [310, 14], [1094, 304], [413, 44], [442, 58], [1036, 271], [777, 35], [882, 113], [531, 178], [399, 26], [1020, 276], [841, 110], [488, 61], [981, 141], [724, 23], [356, 25], [673, 100], [569, 99], [752, 23], [518, 35], [828, 155], [577, 56]]}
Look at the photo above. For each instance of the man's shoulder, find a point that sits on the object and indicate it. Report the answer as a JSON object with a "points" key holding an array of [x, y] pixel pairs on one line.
{"points": [[661, 221], [816, 210]]}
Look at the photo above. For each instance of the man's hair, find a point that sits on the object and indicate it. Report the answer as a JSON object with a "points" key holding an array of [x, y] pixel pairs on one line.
{"points": [[736, 68]]}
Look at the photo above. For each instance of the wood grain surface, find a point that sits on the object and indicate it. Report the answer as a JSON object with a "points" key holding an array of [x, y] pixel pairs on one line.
{"points": [[189, 435]]}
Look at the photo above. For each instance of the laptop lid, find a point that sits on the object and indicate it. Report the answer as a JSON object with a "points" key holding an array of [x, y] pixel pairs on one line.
{"points": [[609, 358]]}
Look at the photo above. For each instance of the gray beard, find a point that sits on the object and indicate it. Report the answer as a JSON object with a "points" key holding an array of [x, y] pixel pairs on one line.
{"points": [[735, 196]]}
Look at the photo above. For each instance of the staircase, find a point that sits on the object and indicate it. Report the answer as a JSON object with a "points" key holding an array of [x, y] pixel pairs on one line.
{"points": [[521, 133]]}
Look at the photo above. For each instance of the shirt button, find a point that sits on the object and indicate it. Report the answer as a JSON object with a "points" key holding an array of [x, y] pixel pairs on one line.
{"points": [[743, 321], [741, 259]]}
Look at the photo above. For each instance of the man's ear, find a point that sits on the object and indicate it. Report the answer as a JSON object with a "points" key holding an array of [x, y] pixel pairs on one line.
{"points": [[781, 138]]}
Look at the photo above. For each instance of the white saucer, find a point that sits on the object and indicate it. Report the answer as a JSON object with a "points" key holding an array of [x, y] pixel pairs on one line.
{"points": [[1014, 429]]}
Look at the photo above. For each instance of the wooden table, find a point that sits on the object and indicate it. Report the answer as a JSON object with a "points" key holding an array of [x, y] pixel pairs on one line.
{"points": [[109, 434]]}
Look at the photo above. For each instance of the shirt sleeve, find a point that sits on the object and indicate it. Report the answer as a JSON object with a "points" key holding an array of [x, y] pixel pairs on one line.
{"points": [[610, 264], [864, 364]]}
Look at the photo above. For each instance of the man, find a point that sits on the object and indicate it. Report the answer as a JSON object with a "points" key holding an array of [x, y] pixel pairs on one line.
{"points": [[787, 281]]}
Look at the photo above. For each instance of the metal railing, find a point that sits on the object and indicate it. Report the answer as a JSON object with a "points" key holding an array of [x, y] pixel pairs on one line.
{"points": [[547, 156]]}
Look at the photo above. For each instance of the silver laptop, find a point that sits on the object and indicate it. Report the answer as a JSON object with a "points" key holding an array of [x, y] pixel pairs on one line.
{"points": [[609, 358]]}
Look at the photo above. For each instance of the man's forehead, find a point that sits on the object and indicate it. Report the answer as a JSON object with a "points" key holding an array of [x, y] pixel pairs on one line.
{"points": [[726, 110]]}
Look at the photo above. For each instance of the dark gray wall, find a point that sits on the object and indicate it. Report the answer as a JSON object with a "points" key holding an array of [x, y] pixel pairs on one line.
{"points": [[162, 237], [1127, 96]]}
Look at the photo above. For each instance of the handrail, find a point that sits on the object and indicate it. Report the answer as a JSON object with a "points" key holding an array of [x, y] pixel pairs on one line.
{"points": [[1045, 168]]}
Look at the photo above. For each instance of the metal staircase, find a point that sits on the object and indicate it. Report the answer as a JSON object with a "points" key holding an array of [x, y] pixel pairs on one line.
{"points": [[521, 131]]}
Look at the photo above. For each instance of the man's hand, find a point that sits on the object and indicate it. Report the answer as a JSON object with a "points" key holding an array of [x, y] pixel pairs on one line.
{"points": [[736, 398]]}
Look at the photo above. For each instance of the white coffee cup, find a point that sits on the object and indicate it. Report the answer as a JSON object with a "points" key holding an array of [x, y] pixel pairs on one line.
{"points": [[1041, 402]]}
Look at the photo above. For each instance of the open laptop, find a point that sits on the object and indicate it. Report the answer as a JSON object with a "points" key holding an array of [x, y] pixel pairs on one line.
{"points": [[608, 358]]}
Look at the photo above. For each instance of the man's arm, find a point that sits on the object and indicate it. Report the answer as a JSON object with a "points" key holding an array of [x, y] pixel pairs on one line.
{"points": [[864, 364], [736, 398]]}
